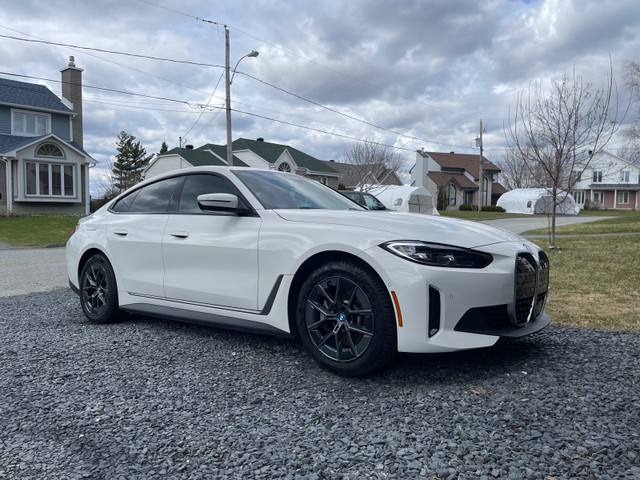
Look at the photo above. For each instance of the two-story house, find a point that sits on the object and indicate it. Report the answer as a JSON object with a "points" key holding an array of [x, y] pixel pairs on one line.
{"points": [[43, 166], [247, 153], [457, 175], [609, 182]]}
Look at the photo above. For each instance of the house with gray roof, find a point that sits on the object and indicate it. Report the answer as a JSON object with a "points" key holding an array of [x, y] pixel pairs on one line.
{"points": [[247, 153], [44, 167]]}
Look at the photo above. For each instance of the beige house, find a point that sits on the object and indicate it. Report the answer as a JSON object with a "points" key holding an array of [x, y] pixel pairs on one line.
{"points": [[456, 174]]}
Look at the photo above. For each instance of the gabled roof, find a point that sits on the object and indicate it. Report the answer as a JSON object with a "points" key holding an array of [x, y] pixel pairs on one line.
{"points": [[464, 161], [271, 152], [441, 179], [497, 189], [31, 96], [9, 144], [200, 157], [354, 174]]}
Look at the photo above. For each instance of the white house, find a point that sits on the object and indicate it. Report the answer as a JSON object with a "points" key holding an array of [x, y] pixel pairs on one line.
{"points": [[609, 182], [247, 153]]}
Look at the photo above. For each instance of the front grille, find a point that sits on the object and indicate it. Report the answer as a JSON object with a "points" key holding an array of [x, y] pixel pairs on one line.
{"points": [[526, 283], [543, 282], [531, 288]]}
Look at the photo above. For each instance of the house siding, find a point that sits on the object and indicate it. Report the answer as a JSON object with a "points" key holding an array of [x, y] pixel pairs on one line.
{"points": [[5, 120], [3, 187], [60, 126]]}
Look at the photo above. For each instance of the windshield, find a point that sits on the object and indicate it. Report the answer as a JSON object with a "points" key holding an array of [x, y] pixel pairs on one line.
{"points": [[277, 190]]}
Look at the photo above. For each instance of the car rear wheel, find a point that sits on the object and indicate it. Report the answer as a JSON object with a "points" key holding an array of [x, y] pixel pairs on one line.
{"points": [[346, 320], [98, 290]]}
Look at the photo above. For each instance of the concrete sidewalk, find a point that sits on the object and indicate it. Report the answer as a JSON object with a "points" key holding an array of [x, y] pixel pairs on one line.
{"points": [[524, 224]]}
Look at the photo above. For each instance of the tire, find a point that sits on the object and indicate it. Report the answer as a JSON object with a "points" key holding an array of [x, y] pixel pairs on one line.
{"points": [[98, 290], [345, 319]]}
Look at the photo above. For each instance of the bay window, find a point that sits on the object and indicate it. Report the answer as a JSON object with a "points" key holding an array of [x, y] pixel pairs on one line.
{"points": [[50, 179]]}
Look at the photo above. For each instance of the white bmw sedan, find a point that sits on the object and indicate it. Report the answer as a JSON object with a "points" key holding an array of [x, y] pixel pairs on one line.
{"points": [[277, 253]]}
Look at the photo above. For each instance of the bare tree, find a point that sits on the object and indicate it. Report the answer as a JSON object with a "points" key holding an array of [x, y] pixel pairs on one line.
{"points": [[631, 150], [367, 163], [516, 174], [559, 130]]}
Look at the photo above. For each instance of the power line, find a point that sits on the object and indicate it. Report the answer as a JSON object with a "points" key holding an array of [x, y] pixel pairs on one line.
{"points": [[351, 117], [114, 52], [105, 89]]}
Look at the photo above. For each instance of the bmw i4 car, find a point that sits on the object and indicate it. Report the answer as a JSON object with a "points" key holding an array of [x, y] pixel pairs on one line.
{"points": [[277, 253]]}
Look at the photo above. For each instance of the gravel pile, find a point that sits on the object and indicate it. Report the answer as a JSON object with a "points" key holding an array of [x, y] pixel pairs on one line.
{"points": [[148, 398]]}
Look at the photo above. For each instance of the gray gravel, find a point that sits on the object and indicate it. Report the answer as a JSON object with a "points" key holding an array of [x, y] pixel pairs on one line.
{"points": [[149, 398]]}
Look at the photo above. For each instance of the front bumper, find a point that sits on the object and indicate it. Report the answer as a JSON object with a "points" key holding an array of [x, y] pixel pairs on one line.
{"points": [[475, 307]]}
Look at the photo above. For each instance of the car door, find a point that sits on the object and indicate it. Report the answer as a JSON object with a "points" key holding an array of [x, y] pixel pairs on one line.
{"points": [[210, 258], [134, 237]]}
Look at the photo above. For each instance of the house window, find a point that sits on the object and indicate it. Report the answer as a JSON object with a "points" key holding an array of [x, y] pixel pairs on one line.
{"points": [[597, 177], [323, 180], [485, 186], [578, 196], [50, 179], [624, 176], [25, 123], [623, 198], [452, 194], [284, 167], [49, 150]]}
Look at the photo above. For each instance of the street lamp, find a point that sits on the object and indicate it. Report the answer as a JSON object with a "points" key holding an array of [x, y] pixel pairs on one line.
{"points": [[228, 80]]}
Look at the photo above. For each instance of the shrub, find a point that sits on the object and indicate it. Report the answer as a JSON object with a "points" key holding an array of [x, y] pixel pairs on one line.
{"points": [[466, 208]]}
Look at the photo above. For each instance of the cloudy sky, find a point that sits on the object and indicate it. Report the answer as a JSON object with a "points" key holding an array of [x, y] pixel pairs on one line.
{"points": [[408, 73]]}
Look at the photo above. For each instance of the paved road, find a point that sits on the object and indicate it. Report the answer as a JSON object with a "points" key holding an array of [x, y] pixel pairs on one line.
{"points": [[31, 270], [523, 224]]}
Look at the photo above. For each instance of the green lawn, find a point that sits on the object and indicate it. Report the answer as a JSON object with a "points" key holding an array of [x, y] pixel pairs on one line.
{"points": [[36, 230], [594, 282]]}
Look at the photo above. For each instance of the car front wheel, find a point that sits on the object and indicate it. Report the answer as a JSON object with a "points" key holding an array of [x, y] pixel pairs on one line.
{"points": [[98, 291], [346, 320]]}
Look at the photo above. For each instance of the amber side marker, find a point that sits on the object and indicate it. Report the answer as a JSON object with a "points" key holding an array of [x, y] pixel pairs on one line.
{"points": [[397, 304]]}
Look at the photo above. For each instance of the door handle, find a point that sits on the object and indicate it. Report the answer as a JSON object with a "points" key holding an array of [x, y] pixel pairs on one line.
{"points": [[122, 232], [180, 234]]}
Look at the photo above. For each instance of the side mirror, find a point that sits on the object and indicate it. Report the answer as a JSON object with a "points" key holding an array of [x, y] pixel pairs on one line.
{"points": [[218, 202]]}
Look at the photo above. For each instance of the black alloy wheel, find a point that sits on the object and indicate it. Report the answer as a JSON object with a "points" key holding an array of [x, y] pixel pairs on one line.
{"points": [[346, 320], [98, 291]]}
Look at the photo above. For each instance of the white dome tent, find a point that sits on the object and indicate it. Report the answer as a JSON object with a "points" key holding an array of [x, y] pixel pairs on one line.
{"points": [[404, 198], [537, 200]]}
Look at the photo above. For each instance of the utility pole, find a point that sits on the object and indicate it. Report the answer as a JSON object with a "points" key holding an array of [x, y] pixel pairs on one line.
{"points": [[227, 73], [480, 179]]}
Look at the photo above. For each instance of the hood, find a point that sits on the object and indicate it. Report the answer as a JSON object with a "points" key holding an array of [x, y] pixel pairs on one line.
{"points": [[408, 226]]}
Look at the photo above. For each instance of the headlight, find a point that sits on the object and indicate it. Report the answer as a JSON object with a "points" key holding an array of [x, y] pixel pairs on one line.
{"points": [[437, 255]]}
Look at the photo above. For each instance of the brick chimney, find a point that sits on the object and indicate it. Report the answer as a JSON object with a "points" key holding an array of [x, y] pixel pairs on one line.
{"points": [[72, 91]]}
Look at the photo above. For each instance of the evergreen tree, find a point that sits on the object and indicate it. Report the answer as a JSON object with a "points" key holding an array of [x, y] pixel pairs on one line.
{"points": [[164, 148], [130, 160]]}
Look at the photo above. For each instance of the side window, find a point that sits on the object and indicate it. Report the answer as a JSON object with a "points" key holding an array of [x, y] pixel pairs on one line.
{"points": [[154, 198], [372, 203], [124, 203], [195, 185]]}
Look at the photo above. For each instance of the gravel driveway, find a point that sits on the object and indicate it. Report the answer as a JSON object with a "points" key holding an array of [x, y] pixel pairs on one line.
{"points": [[148, 398]]}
